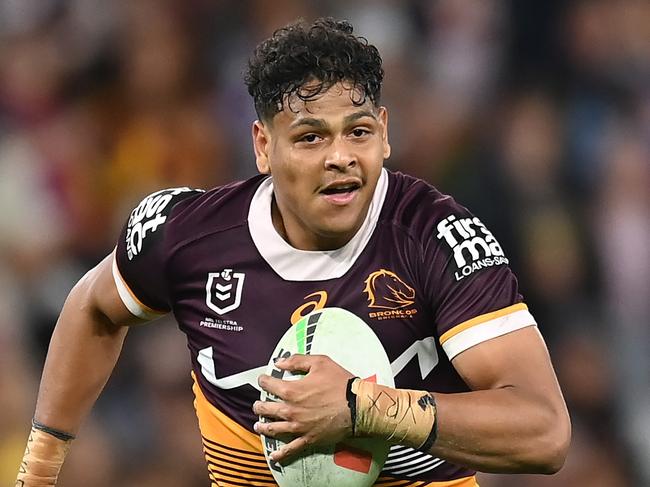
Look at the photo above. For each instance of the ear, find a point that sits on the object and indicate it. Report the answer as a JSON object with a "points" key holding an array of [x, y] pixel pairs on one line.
{"points": [[383, 120], [261, 141]]}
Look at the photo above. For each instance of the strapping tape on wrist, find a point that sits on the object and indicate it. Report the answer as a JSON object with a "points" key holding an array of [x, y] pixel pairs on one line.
{"points": [[400, 416], [44, 456]]}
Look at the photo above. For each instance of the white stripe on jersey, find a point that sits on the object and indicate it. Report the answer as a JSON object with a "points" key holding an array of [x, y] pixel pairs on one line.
{"points": [[410, 462], [487, 330], [132, 304]]}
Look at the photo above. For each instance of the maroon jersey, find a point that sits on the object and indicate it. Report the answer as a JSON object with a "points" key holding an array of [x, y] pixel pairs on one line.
{"points": [[425, 274]]}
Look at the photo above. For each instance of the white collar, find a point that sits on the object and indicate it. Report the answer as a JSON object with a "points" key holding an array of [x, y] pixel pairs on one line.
{"points": [[293, 264]]}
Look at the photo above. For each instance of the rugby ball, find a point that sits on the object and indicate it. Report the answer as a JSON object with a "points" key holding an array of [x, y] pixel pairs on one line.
{"points": [[350, 342]]}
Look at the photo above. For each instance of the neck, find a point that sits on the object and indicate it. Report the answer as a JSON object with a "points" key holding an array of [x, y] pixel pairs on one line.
{"points": [[300, 239]]}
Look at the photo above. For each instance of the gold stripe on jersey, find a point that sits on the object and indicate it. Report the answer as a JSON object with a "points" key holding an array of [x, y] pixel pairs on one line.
{"points": [[237, 459], [226, 462], [233, 454], [393, 482], [224, 474], [215, 424], [481, 319]]}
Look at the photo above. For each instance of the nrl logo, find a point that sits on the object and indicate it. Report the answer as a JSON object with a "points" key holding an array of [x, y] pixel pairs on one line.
{"points": [[223, 290], [387, 291]]}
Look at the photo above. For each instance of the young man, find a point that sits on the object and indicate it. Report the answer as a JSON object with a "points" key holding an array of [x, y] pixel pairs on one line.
{"points": [[323, 225]]}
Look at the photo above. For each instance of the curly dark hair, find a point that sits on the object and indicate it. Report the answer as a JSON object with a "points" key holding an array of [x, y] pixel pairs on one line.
{"points": [[325, 52]]}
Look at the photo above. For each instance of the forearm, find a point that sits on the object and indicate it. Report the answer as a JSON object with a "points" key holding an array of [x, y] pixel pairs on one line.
{"points": [[503, 430], [83, 351], [507, 430]]}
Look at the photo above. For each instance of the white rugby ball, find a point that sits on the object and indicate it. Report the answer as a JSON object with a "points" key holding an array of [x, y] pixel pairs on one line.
{"points": [[350, 342]]}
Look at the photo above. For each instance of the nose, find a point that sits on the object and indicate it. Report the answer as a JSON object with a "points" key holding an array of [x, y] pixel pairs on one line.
{"points": [[340, 157]]}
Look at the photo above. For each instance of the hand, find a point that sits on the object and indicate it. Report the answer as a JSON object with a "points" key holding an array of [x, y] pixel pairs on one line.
{"points": [[315, 409]]}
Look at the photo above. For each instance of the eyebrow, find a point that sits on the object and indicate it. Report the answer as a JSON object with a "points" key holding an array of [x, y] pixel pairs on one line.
{"points": [[319, 123], [357, 115], [310, 122]]}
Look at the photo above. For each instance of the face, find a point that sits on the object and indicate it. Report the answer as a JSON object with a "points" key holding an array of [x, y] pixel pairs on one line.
{"points": [[325, 156]]}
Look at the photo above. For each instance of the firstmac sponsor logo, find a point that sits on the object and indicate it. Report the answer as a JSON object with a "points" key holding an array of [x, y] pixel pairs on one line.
{"points": [[473, 245]]}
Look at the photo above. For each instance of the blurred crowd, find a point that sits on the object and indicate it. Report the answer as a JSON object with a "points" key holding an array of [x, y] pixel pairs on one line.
{"points": [[535, 115]]}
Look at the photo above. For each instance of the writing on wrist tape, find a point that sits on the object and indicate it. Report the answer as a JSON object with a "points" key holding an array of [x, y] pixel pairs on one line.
{"points": [[400, 416], [43, 458]]}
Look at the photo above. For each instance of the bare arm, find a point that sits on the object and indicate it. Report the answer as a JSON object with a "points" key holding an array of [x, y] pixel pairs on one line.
{"points": [[83, 351], [515, 418]]}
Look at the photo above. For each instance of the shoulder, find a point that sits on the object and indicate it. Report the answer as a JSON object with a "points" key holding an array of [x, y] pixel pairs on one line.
{"points": [[223, 205], [151, 214], [417, 206], [179, 213]]}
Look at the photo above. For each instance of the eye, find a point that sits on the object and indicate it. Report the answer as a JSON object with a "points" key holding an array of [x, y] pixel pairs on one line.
{"points": [[309, 138], [360, 132]]}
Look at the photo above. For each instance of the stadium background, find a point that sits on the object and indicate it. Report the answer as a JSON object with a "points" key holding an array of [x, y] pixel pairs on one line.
{"points": [[536, 115]]}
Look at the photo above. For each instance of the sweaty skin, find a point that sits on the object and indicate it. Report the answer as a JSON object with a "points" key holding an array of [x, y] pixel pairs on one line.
{"points": [[326, 156], [319, 145], [514, 420], [90, 330]]}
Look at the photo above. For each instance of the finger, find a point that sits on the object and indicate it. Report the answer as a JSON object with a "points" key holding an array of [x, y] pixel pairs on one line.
{"points": [[274, 386], [297, 363], [271, 409], [276, 429], [291, 449]]}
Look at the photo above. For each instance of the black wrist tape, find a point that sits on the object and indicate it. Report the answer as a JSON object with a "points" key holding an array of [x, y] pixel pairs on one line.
{"points": [[56, 433], [352, 402], [431, 439]]}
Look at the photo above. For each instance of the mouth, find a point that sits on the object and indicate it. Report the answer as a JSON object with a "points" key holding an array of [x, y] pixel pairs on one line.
{"points": [[341, 187], [341, 192]]}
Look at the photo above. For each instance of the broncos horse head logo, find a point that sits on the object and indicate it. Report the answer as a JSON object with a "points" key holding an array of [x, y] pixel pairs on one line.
{"points": [[386, 290]]}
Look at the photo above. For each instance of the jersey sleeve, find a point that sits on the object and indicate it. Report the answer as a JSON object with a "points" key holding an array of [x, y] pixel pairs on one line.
{"points": [[473, 291], [140, 257]]}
